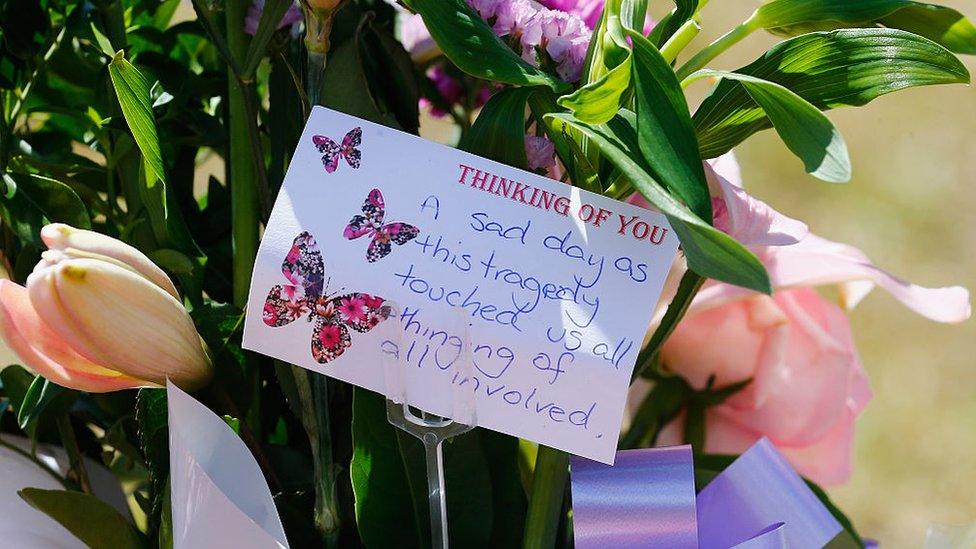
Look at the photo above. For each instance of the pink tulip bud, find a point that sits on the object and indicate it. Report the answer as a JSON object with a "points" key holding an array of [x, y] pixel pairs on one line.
{"points": [[98, 315]]}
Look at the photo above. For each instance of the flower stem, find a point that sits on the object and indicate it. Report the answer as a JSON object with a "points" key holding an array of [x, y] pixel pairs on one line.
{"points": [[690, 283], [714, 49], [680, 39], [77, 472], [548, 489], [242, 179]]}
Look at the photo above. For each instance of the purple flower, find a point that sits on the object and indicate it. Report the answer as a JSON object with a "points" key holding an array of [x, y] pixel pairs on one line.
{"points": [[587, 10], [566, 39], [518, 19], [485, 8], [292, 16], [540, 152], [451, 90]]}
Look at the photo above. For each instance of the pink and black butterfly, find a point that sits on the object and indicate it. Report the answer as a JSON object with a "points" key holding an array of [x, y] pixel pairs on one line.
{"points": [[333, 315], [331, 151], [371, 223]]}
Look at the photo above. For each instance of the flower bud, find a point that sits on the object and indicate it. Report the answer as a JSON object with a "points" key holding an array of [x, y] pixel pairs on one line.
{"points": [[98, 315], [76, 243]]}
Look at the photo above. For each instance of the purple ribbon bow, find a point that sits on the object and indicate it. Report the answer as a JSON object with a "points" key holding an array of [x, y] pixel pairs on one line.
{"points": [[647, 499]]}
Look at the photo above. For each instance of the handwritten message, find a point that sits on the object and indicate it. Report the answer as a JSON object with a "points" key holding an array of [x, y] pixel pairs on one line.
{"points": [[382, 245]]}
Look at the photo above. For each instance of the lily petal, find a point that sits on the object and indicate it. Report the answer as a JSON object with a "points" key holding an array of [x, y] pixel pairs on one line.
{"points": [[81, 243], [44, 352], [113, 315]]}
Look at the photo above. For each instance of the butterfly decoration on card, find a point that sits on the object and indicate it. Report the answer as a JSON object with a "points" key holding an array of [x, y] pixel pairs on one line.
{"points": [[333, 315], [370, 223], [332, 151]]}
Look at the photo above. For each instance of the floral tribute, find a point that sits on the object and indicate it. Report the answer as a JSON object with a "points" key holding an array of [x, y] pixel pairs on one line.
{"points": [[142, 144]]}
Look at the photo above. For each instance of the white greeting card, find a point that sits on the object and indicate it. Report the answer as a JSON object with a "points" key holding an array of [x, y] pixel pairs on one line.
{"points": [[380, 240]]}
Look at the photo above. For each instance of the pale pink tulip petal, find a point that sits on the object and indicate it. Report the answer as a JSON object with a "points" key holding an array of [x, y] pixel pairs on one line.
{"points": [[48, 355], [816, 261]]}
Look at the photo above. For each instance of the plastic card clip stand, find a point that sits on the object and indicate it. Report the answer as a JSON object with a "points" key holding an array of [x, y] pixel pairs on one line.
{"points": [[405, 377]]}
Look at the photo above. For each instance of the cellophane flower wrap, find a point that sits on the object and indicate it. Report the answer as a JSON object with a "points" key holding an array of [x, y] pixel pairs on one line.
{"points": [[142, 144]]}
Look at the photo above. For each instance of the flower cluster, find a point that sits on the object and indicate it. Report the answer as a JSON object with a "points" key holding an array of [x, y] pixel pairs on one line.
{"points": [[563, 37]]}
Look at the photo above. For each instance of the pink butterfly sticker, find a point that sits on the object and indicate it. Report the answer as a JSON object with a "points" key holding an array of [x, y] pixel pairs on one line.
{"points": [[371, 223], [333, 315], [331, 151]]}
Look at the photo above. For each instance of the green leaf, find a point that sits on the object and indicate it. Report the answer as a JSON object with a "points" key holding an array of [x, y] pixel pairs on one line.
{"points": [[805, 130], [94, 522], [38, 397], [508, 496], [664, 131], [271, 16], [710, 252], [385, 514], [348, 85], [598, 101], [16, 381], [30, 201], [499, 131], [485, 502], [469, 43], [940, 24], [663, 402], [829, 70], [153, 430], [133, 91]]}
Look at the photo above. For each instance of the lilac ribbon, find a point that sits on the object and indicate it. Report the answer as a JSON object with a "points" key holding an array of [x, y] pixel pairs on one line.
{"points": [[648, 500]]}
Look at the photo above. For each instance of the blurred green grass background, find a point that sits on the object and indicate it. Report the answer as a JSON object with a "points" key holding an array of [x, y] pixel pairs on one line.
{"points": [[911, 206]]}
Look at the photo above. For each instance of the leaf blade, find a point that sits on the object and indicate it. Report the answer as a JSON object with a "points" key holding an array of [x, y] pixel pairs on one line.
{"points": [[849, 67], [665, 135], [710, 252], [91, 520], [804, 129]]}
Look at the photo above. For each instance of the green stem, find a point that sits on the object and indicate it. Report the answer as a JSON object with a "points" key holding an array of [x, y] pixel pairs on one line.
{"points": [[690, 283], [680, 39], [242, 178], [77, 472], [313, 389], [714, 49], [548, 489], [27, 455]]}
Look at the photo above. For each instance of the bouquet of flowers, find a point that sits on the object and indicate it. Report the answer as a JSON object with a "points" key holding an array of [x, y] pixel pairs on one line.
{"points": [[144, 142]]}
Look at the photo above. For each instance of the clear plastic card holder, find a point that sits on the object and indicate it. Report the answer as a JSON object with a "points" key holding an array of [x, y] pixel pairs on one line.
{"points": [[429, 398]]}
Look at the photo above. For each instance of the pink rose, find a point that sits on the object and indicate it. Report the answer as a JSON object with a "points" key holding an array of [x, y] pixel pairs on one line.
{"points": [[807, 382], [808, 386]]}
